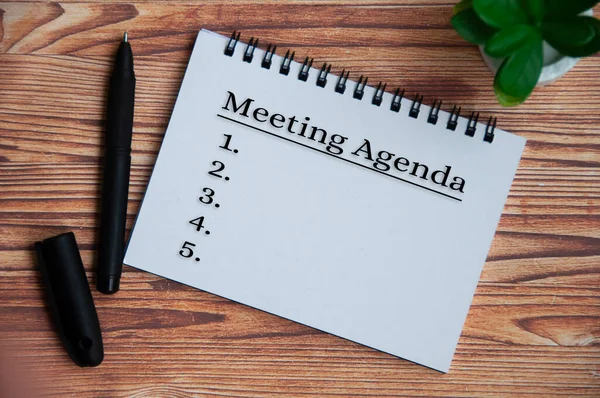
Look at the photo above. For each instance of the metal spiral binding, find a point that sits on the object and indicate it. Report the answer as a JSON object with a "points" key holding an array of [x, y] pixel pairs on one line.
{"points": [[268, 58], [397, 100], [433, 113], [306, 65], [453, 119], [340, 86], [472, 125], [378, 96], [249, 53], [416, 106], [286, 62], [489, 130], [231, 44], [359, 90], [322, 78]]}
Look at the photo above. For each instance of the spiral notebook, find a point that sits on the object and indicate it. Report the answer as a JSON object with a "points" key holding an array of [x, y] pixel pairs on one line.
{"points": [[324, 200]]}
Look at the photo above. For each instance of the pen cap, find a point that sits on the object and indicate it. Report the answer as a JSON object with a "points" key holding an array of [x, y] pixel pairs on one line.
{"points": [[70, 299]]}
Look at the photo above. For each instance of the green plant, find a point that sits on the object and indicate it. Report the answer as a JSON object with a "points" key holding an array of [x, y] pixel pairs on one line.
{"points": [[515, 30]]}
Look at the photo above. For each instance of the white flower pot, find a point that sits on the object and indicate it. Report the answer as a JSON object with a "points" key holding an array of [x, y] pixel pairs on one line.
{"points": [[555, 64]]}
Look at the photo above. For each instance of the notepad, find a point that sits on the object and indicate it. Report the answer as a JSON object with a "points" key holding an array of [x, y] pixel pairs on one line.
{"points": [[320, 199]]}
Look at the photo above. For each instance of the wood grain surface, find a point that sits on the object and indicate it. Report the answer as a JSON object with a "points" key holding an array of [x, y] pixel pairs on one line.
{"points": [[533, 328]]}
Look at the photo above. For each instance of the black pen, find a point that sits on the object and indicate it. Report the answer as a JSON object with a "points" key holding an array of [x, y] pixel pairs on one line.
{"points": [[117, 162]]}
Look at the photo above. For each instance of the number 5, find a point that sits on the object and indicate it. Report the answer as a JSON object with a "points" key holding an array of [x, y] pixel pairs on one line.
{"points": [[190, 252]]}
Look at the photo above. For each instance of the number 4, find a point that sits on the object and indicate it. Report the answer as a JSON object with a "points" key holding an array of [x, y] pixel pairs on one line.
{"points": [[198, 223]]}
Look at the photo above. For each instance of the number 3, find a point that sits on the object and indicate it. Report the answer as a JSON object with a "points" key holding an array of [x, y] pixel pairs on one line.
{"points": [[209, 194], [189, 253]]}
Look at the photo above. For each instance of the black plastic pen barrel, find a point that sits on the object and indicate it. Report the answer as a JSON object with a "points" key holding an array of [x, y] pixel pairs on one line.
{"points": [[117, 163]]}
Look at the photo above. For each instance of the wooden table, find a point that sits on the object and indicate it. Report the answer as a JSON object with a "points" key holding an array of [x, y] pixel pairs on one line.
{"points": [[534, 327]]}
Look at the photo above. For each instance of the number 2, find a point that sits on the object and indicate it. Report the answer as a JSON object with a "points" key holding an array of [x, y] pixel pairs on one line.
{"points": [[220, 167], [189, 252]]}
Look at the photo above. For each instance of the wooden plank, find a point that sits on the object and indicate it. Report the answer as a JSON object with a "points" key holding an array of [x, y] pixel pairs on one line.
{"points": [[232, 347], [533, 328]]}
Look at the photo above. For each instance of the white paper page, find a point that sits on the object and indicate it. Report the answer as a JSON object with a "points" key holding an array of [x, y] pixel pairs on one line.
{"points": [[387, 259]]}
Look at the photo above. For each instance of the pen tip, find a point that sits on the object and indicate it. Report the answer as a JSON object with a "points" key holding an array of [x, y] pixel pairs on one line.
{"points": [[125, 37]]}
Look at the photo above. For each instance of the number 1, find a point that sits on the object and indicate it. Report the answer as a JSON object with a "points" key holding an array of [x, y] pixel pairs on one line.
{"points": [[227, 141]]}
